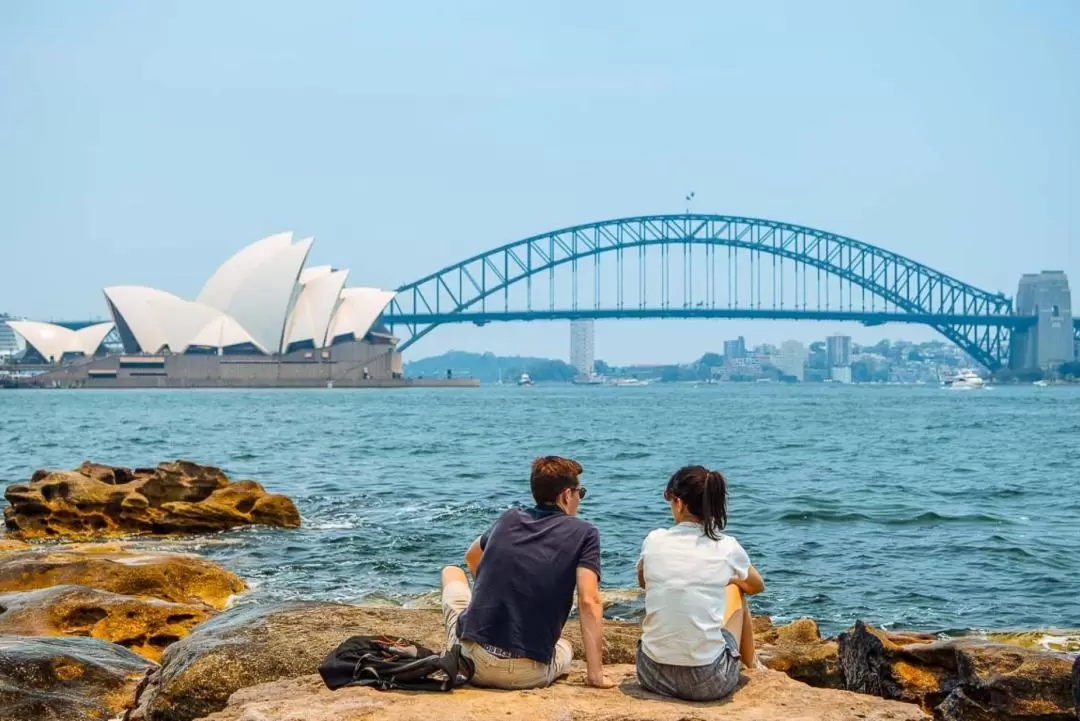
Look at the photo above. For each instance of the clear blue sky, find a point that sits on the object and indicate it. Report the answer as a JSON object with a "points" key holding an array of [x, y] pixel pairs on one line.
{"points": [[144, 142]]}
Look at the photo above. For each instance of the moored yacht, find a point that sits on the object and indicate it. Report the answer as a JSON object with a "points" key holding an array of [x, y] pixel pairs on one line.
{"points": [[965, 379]]}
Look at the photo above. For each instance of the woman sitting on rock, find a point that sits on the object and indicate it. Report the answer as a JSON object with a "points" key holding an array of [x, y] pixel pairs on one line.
{"points": [[697, 625]]}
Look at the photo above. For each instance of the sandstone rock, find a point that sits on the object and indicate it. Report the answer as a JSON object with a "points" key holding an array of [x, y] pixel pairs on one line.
{"points": [[254, 644], [799, 651], [180, 497], [764, 696], [66, 679], [10, 545], [1005, 682], [145, 626], [168, 576], [961, 679]]}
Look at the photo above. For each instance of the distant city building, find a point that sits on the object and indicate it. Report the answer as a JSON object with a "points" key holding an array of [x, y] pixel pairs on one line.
{"points": [[734, 349], [838, 350], [792, 360], [583, 346], [9, 341], [840, 374], [1050, 341]]}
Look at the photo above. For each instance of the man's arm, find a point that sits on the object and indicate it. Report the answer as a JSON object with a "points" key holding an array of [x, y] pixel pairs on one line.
{"points": [[752, 584], [473, 556], [591, 611], [641, 572]]}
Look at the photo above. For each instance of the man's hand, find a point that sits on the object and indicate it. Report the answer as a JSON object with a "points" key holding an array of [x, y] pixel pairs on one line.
{"points": [[591, 614], [599, 681]]}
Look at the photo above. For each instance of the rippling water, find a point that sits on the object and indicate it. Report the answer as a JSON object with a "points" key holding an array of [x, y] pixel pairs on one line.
{"points": [[905, 506]]}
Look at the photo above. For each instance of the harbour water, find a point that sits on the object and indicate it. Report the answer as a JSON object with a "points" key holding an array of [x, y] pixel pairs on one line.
{"points": [[911, 507]]}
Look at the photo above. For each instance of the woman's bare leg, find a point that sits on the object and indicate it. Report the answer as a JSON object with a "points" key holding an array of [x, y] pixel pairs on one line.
{"points": [[741, 625]]}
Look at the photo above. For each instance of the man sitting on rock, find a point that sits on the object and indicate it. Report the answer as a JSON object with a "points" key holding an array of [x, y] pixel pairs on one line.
{"points": [[526, 567]]}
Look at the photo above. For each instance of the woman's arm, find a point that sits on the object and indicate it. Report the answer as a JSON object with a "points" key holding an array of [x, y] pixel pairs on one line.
{"points": [[753, 583], [641, 572]]}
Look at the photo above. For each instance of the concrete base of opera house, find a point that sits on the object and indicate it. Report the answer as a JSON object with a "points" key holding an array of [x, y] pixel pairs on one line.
{"points": [[353, 364]]}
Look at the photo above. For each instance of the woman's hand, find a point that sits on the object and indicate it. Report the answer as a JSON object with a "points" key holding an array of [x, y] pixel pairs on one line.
{"points": [[753, 584]]}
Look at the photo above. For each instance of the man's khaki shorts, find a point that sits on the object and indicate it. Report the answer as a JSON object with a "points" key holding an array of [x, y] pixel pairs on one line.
{"points": [[493, 671]]}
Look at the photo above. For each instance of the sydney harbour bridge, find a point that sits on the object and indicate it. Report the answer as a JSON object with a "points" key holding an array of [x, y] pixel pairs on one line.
{"points": [[715, 266], [693, 265]]}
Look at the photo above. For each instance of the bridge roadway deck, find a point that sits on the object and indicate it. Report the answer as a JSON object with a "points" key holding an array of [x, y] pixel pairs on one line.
{"points": [[864, 317]]}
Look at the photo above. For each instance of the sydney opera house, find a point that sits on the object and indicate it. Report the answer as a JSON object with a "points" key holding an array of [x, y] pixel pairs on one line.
{"points": [[261, 319]]}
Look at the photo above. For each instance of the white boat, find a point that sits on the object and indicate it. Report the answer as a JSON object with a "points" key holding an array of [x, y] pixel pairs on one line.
{"points": [[630, 382], [1040, 384], [525, 380], [965, 379]]}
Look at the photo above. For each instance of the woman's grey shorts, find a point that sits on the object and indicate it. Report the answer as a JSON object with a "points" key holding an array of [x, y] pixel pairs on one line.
{"points": [[692, 683]]}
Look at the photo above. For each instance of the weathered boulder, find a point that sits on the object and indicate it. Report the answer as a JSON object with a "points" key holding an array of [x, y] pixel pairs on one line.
{"points": [[95, 500], [798, 650], [962, 679], [168, 576], [254, 644], [145, 626], [1076, 685], [66, 679], [763, 696]]}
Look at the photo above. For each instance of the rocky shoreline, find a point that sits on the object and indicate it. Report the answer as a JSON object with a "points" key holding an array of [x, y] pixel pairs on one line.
{"points": [[105, 631]]}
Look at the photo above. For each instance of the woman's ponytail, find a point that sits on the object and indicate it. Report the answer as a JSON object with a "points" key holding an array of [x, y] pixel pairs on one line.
{"points": [[705, 494], [714, 505]]}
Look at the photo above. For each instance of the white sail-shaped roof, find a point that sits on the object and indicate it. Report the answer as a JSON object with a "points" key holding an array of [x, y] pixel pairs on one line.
{"points": [[221, 333], [358, 311], [309, 274], [261, 302], [219, 290], [92, 336], [53, 341], [157, 319], [314, 309]]}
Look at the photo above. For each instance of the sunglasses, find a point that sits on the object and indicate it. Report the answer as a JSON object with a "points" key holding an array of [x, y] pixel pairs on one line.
{"points": [[582, 491]]}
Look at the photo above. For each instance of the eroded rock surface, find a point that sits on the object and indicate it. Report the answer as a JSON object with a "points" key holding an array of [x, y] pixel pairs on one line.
{"points": [[961, 679], [66, 679], [145, 626], [763, 696], [168, 576], [799, 651], [95, 501]]}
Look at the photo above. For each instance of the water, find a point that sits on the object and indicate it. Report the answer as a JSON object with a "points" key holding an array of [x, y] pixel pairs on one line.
{"points": [[910, 507]]}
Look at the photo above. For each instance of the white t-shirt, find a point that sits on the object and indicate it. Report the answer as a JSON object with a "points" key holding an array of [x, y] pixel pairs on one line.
{"points": [[686, 578]]}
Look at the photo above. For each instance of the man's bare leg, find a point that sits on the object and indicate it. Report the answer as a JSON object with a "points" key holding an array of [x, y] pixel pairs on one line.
{"points": [[450, 574]]}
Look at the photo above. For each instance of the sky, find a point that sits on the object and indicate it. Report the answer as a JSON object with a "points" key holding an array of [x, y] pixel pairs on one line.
{"points": [[145, 142]]}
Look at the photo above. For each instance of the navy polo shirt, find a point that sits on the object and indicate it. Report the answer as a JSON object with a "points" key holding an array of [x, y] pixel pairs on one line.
{"points": [[526, 579]]}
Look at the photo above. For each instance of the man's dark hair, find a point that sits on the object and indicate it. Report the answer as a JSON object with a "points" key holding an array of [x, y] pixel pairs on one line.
{"points": [[551, 475]]}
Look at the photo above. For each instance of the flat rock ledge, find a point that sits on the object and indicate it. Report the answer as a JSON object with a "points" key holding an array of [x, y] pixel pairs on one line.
{"points": [[762, 696], [173, 577], [98, 501]]}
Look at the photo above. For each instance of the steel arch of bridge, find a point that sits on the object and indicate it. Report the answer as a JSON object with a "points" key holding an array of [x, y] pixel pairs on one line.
{"points": [[976, 320]]}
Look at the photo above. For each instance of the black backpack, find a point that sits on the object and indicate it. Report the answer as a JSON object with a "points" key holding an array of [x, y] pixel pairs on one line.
{"points": [[386, 662]]}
